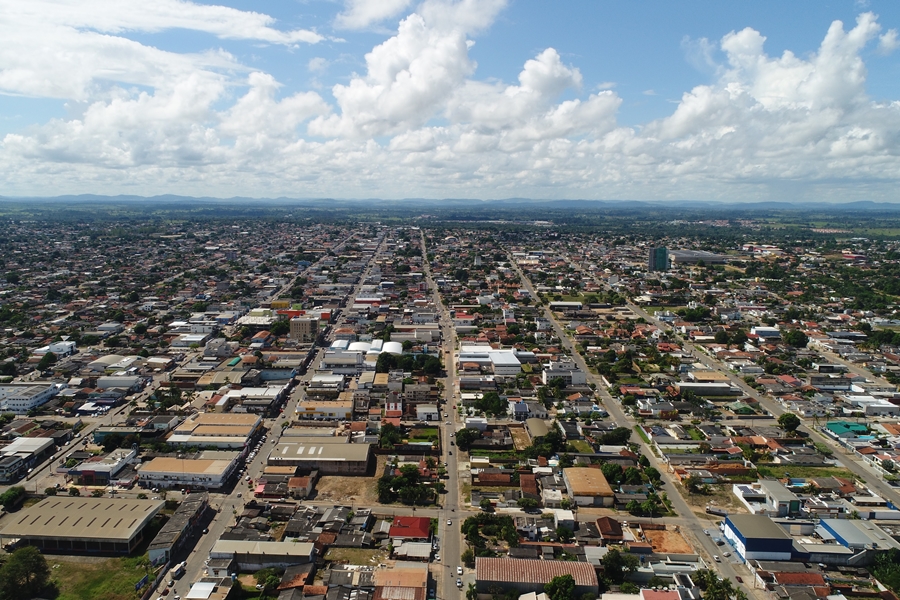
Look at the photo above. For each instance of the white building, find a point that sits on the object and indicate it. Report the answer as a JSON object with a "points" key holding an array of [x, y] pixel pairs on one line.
{"points": [[23, 397], [567, 370]]}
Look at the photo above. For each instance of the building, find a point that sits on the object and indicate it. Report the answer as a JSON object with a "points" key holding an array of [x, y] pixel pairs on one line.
{"points": [[254, 556], [210, 471], [693, 257], [857, 534], [101, 470], [329, 456], [221, 430], [20, 398], [588, 487], [78, 525], [31, 450], [411, 529], [566, 370], [325, 410], [523, 575], [304, 329], [503, 362], [757, 537], [779, 499], [186, 519], [659, 260]]}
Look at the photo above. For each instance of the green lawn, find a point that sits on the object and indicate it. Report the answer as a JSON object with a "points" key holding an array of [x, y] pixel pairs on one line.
{"points": [[426, 433], [112, 579], [642, 433], [696, 434], [582, 446], [782, 471]]}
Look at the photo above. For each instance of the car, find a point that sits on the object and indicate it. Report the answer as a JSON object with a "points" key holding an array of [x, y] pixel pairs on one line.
{"points": [[726, 554], [176, 597], [259, 586], [248, 478], [240, 494], [716, 558], [449, 452], [205, 530], [706, 531], [451, 443], [447, 423], [437, 558], [738, 579], [171, 582], [459, 570], [449, 522], [459, 583]]}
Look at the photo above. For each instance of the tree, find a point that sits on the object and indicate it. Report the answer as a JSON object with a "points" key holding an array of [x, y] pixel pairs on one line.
{"points": [[485, 504], [280, 327], [468, 557], [795, 338], [633, 507], [652, 474], [112, 441], [564, 534], [24, 575], [50, 491], [618, 565], [73, 491], [527, 503], [465, 437], [48, 359], [388, 436], [12, 497], [561, 587], [789, 422], [268, 578], [692, 483], [721, 337]]}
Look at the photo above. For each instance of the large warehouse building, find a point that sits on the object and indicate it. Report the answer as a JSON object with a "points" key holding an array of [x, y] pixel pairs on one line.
{"points": [[588, 487], [524, 575], [209, 471], [324, 456], [219, 430], [757, 537], [67, 525]]}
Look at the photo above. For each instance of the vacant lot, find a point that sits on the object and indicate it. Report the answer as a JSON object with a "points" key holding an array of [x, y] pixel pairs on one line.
{"points": [[348, 490], [782, 471], [520, 437], [668, 542], [356, 556], [110, 579]]}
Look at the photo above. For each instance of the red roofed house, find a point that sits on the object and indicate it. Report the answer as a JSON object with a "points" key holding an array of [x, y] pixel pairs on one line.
{"points": [[410, 528]]}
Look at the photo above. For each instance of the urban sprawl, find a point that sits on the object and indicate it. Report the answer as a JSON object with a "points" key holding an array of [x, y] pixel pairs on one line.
{"points": [[235, 409]]}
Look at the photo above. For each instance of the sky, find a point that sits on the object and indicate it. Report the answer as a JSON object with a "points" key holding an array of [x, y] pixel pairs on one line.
{"points": [[583, 99]]}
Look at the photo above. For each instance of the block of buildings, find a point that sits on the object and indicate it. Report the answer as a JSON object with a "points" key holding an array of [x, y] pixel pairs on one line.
{"points": [[210, 471]]}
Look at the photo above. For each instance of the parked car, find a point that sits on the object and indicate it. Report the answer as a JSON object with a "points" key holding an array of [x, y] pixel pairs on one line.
{"points": [[716, 558], [459, 583], [449, 522], [738, 579], [459, 570]]}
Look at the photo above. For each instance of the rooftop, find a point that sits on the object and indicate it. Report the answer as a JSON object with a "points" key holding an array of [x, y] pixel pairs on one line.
{"points": [[84, 518]]}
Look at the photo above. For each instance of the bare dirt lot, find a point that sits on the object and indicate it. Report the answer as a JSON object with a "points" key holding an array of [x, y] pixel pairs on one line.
{"points": [[520, 437], [346, 490], [668, 542]]}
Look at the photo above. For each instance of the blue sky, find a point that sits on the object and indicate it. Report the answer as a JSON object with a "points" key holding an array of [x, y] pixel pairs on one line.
{"points": [[452, 98]]}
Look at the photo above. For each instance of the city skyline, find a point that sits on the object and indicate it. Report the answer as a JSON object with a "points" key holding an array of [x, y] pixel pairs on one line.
{"points": [[437, 99]]}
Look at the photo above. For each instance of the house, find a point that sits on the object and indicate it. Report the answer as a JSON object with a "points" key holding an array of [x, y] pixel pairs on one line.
{"points": [[411, 529]]}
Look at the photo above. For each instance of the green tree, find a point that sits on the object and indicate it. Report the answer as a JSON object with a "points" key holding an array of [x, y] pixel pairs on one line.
{"points": [[527, 503], [465, 437], [468, 557], [618, 565], [12, 497], [564, 534], [46, 360], [280, 327], [795, 338], [73, 491], [721, 337], [485, 504], [389, 436], [789, 422], [50, 491], [24, 575], [561, 587]]}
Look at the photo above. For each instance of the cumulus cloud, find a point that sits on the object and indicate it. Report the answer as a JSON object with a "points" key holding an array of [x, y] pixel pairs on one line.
{"points": [[419, 120], [359, 14]]}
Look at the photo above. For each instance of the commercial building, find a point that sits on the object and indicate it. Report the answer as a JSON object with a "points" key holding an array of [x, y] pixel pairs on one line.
{"points": [[76, 525], [210, 471], [100, 470], [856, 534], [693, 257], [20, 398], [321, 455], [304, 329], [566, 370], [176, 532], [32, 451], [226, 430], [502, 362], [588, 487], [659, 259], [254, 556], [325, 410], [757, 537], [524, 576]]}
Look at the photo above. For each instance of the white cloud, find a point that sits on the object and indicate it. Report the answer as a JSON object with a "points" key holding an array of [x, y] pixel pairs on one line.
{"points": [[318, 64], [360, 14], [122, 16], [888, 42], [419, 121]]}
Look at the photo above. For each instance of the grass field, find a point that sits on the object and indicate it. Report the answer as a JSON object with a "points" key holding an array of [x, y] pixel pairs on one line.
{"points": [[782, 471], [424, 433], [111, 579], [582, 446]]}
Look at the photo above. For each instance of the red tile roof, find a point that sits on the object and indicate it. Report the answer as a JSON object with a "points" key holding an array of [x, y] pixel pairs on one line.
{"points": [[411, 527]]}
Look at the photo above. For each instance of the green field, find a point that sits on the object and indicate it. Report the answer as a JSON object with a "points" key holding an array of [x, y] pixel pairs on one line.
{"points": [[782, 471], [582, 446], [111, 579]]}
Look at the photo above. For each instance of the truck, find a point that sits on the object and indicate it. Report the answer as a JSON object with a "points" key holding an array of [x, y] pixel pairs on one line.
{"points": [[177, 571]]}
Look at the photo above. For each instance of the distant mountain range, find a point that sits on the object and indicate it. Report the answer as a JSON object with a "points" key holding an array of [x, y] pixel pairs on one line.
{"points": [[425, 203]]}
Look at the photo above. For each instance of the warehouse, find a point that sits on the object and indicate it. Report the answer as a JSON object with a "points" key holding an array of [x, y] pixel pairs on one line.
{"points": [[252, 556], [856, 534], [588, 487], [68, 525], [524, 575], [327, 458], [209, 471], [757, 537], [221, 430]]}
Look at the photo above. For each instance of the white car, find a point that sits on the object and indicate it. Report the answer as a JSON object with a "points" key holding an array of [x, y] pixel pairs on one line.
{"points": [[459, 570], [449, 522]]}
